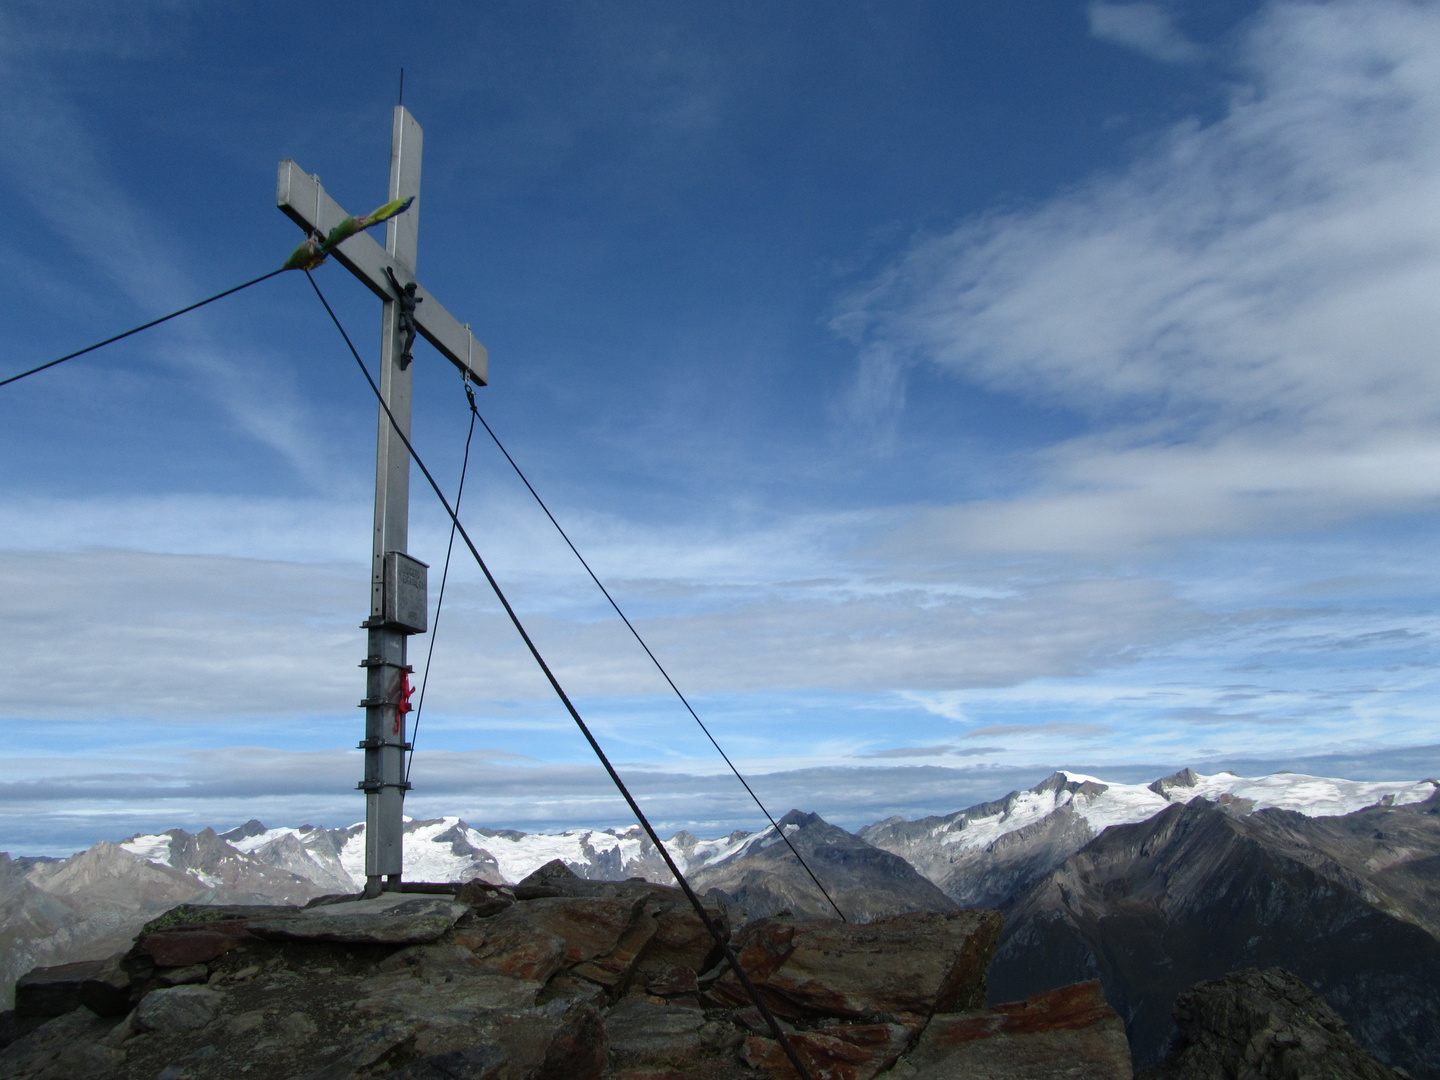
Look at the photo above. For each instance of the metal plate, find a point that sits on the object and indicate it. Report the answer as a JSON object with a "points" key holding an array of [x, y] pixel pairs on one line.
{"points": [[406, 594]]}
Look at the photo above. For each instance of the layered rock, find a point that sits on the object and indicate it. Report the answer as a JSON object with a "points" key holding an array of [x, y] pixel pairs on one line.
{"points": [[902, 966], [55, 911], [1070, 1033], [558, 977]]}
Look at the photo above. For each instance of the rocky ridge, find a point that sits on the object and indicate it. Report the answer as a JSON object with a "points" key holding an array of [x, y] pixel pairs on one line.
{"points": [[555, 977], [1066, 898], [1345, 903], [988, 853], [1263, 1025], [60, 910], [55, 911]]}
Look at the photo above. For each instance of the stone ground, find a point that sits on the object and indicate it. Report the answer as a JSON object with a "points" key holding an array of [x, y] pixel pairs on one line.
{"points": [[554, 978]]}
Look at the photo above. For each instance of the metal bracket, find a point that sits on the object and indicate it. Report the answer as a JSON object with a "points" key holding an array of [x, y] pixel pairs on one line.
{"points": [[375, 661], [377, 702], [375, 744], [370, 787]]}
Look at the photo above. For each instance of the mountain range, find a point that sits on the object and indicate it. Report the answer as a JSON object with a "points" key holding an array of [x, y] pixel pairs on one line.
{"points": [[984, 855], [1149, 888], [1350, 904]]}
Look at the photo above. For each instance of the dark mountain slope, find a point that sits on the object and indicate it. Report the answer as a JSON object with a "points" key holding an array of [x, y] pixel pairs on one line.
{"points": [[1196, 892], [763, 877], [1388, 855]]}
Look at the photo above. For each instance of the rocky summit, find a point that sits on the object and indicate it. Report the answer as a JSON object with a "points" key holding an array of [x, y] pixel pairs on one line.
{"points": [[555, 977], [1263, 1025]]}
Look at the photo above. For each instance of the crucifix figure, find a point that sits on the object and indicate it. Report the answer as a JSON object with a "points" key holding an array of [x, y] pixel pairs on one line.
{"points": [[406, 298], [398, 603]]}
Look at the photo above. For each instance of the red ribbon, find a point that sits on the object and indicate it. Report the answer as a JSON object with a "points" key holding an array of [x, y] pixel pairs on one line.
{"points": [[403, 706]]}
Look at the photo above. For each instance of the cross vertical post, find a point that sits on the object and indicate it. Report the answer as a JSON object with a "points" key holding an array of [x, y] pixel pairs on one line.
{"points": [[397, 581], [385, 726]]}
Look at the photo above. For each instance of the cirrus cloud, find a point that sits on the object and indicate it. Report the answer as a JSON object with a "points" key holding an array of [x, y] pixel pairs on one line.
{"points": [[1242, 318]]}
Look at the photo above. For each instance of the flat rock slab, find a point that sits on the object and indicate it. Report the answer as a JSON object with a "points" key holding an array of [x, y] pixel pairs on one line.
{"points": [[537, 938], [193, 945], [615, 966], [673, 982], [1069, 1033], [681, 939], [653, 1031], [394, 919], [589, 927], [364, 1051], [177, 1008], [201, 914], [551, 1041], [841, 1052], [101, 985], [911, 964], [405, 996]]}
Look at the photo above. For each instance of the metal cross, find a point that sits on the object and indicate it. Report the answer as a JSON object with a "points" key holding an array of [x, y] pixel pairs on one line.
{"points": [[397, 582]]}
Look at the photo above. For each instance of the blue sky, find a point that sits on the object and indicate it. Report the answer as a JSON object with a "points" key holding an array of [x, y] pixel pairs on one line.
{"points": [[951, 392]]}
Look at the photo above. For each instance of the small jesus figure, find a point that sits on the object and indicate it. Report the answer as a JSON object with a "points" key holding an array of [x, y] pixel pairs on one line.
{"points": [[407, 300]]}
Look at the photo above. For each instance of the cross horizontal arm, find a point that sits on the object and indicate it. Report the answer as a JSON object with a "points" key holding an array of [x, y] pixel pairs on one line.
{"points": [[306, 203]]}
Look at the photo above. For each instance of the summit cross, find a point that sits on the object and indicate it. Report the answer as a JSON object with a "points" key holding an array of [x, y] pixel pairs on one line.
{"points": [[398, 601]]}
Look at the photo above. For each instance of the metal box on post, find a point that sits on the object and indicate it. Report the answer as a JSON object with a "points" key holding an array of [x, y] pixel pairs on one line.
{"points": [[406, 596]]}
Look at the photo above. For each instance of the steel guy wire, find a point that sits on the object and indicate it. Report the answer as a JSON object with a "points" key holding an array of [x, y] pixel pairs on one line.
{"points": [[444, 576], [709, 923], [475, 414], [145, 326]]}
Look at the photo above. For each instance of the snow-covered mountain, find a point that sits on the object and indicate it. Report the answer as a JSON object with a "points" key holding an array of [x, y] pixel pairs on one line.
{"points": [[982, 856], [439, 849], [57, 910], [53, 911], [1049, 822]]}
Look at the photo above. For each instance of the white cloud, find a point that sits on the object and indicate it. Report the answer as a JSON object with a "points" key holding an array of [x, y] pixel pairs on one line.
{"points": [[285, 529], [215, 635], [62, 805], [107, 634], [66, 803], [1146, 28], [1244, 316]]}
